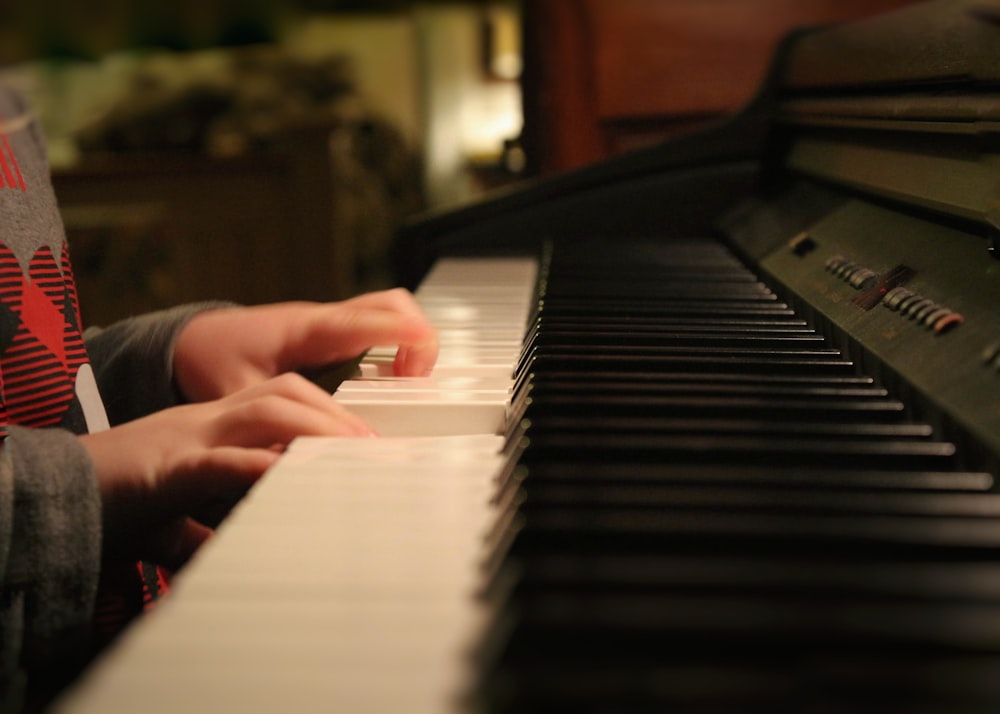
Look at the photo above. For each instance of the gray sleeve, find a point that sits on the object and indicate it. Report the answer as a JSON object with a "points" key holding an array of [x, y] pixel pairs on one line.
{"points": [[50, 550], [133, 361]]}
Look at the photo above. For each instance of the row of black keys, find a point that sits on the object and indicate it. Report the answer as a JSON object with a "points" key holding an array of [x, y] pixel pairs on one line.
{"points": [[707, 507]]}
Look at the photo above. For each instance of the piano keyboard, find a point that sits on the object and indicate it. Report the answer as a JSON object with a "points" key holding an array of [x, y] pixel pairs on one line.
{"points": [[345, 580], [721, 512], [699, 502]]}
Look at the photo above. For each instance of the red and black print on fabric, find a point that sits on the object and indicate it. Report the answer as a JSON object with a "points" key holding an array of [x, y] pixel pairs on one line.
{"points": [[39, 358], [41, 347]]}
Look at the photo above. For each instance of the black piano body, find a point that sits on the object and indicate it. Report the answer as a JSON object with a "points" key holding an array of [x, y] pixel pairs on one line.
{"points": [[753, 466]]}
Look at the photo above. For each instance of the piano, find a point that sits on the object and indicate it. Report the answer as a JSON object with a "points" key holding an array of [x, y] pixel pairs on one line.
{"points": [[728, 440]]}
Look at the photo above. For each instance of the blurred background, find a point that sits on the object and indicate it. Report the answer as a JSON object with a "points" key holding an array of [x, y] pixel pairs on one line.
{"points": [[259, 150]]}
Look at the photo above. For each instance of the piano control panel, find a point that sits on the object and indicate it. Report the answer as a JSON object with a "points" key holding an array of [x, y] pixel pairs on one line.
{"points": [[880, 275], [889, 289]]}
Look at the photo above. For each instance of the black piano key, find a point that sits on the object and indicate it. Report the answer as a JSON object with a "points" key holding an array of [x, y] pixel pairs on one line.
{"points": [[843, 381], [791, 365], [561, 339], [745, 427], [551, 496], [700, 385], [589, 380], [707, 347], [815, 576], [661, 292], [676, 323], [783, 476], [650, 309], [748, 350], [603, 623], [615, 530], [715, 450], [600, 406]]}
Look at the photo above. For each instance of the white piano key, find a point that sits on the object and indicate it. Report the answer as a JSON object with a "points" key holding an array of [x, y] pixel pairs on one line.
{"points": [[438, 383], [480, 294], [453, 354], [483, 334], [430, 414], [455, 449], [369, 370], [475, 271], [474, 314]]}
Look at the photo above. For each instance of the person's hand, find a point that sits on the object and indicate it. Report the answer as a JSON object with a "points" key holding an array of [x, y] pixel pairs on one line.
{"points": [[164, 477], [221, 351]]}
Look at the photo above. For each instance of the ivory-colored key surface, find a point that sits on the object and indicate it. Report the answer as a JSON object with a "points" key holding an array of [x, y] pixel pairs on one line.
{"points": [[346, 579], [465, 297]]}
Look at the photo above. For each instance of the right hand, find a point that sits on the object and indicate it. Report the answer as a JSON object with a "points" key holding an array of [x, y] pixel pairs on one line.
{"points": [[161, 474], [221, 351]]}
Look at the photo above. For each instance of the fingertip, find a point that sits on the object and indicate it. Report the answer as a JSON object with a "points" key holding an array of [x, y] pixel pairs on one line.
{"points": [[363, 429], [357, 426], [416, 360]]}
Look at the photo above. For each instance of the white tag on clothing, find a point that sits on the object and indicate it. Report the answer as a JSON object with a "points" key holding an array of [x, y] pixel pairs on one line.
{"points": [[90, 400]]}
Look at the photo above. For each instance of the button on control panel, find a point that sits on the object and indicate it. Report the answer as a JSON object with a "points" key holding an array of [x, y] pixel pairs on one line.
{"points": [[889, 290], [922, 310], [991, 355]]}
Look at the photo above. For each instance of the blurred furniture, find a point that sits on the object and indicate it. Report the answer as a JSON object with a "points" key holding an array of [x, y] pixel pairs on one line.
{"points": [[151, 230], [605, 77]]}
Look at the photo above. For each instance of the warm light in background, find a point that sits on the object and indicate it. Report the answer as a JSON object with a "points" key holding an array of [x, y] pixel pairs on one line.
{"points": [[444, 74]]}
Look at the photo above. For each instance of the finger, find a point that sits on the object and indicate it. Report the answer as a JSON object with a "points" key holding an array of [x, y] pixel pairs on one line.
{"points": [[416, 360], [208, 484], [221, 472], [361, 328], [177, 542], [207, 487], [275, 419], [398, 300], [289, 385], [337, 335], [297, 388]]}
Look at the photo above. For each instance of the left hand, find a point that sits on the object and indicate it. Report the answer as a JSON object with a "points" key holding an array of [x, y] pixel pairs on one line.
{"points": [[165, 478], [222, 351]]}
